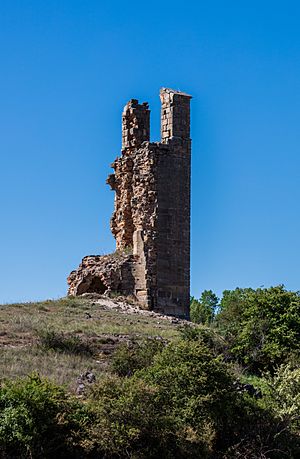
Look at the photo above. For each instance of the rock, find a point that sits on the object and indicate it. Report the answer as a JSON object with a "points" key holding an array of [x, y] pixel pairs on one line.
{"points": [[85, 378], [80, 389], [247, 388]]}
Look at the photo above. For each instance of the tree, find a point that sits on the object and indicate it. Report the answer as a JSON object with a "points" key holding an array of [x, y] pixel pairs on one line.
{"points": [[262, 327], [203, 310]]}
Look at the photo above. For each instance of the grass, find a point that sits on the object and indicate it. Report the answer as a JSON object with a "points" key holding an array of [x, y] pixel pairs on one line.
{"points": [[51, 340], [61, 368], [62, 339]]}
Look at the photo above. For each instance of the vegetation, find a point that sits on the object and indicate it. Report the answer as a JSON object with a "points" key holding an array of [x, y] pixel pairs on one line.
{"points": [[33, 335], [49, 339], [203, 311], [261, 327], [226, 387], [38, 419], [129, 358]]}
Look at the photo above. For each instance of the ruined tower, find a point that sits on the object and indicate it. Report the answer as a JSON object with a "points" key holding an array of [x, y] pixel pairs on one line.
{"points": [[151, 219]]}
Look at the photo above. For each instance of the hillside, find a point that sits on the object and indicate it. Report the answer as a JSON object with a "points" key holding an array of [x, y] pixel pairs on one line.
{"points": [[96, 377], [88, 329]]}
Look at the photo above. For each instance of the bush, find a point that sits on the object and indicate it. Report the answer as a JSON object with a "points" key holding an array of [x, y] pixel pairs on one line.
{"points": [[175, 408], [281, 393], [184, 405], [198, 389], [128, 358], [38, 420], [207, 336], [129, 421], [51, 340], [212, 418]]}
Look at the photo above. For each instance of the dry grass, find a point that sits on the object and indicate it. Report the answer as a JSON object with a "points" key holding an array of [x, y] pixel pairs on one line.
{"points": [[60, 367], [22, 325]]}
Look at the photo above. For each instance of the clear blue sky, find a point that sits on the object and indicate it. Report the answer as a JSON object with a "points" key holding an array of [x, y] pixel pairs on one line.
{"points": [[67, 69]]}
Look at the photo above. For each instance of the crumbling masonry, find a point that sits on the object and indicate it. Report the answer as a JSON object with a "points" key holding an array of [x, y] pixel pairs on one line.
{"points": [[151, 220]]}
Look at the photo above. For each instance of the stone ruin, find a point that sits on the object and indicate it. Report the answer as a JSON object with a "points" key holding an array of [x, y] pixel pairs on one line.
{"points": [[151, 219]]}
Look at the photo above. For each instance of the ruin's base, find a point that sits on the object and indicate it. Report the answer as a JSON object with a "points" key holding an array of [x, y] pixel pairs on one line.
{"points": [[118, 273], [101, 274]]}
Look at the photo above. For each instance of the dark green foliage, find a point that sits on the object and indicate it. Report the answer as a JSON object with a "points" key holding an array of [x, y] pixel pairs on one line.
{"points": [[131, 357], [177, 407], [129, 420], [184, 405], [262, 327], [271, 426], [207, 336], [260, 435], [203, 310], [38, 420], [198, 389], [180, 400], [51, 340]]}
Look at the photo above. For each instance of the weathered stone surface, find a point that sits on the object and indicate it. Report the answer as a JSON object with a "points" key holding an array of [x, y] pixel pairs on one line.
{"points": [[99, 274], [151, 182]]}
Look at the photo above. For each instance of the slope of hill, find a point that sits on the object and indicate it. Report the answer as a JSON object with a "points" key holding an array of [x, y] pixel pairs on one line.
{"points": [[87, 329], [96, 377]]}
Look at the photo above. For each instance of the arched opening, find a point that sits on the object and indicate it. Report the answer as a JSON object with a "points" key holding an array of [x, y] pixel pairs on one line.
{"points": [[91, 284]]}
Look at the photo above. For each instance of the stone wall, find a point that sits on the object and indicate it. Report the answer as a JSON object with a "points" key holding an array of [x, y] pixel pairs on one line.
{"points": [[175, 115], [151, 182]]}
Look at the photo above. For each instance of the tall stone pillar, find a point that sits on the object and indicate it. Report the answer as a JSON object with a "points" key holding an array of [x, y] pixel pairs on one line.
{"points": [[175, 115], [173, 213]]}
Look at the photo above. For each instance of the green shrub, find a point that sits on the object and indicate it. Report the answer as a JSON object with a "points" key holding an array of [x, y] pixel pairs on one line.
{"points": [[184, 405], [178, 407], [129, 421], [197, 388], [212, 418], [207, 336], [38, 420], [51, 340], [281, 395], [128, 358]]}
